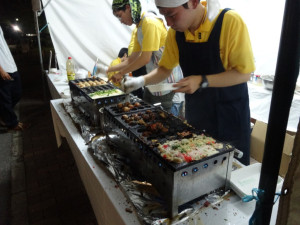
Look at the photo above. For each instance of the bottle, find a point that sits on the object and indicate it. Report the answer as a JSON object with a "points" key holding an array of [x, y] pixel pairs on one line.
{"points": [[70, 69]]}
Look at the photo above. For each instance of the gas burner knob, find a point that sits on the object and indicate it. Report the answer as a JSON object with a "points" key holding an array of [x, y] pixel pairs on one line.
{"points": [[111, 100], [205, 165], [195, 169], [184, 174], [105, 101]]}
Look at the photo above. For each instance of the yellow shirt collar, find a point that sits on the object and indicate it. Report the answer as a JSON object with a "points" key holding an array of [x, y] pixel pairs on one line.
{"points": [[205, 27]]}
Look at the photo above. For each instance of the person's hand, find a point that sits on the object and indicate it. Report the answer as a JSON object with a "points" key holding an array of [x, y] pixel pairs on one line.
{"points": [[188, 84], [5, 76], [130, 84], [213, 7], [116, 78]]}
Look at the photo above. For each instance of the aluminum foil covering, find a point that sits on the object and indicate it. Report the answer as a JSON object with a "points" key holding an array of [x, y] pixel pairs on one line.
{"points": [[149, 205], [88, 132]]}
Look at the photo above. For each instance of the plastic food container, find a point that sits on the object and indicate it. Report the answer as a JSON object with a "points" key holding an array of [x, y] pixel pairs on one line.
{"points": [[243, 180], [268, 81]]}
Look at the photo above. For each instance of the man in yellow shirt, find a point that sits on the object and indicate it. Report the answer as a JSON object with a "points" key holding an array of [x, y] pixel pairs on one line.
{"points": [[217, 60], [148, 43], [122, 56]]}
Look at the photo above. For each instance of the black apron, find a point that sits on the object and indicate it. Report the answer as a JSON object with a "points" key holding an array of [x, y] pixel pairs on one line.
{"points": [[222, 112]]}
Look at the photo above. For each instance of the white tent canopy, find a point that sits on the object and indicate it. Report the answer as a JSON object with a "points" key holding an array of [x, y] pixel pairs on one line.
{"points": [[86, 30]]}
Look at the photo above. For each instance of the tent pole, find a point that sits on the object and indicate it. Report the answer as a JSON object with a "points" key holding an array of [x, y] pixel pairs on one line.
{"points": [[286, 74], [40, 53]]}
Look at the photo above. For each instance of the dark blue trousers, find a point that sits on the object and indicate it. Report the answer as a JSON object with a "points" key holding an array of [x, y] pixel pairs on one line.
{"points": [[10, 94]]}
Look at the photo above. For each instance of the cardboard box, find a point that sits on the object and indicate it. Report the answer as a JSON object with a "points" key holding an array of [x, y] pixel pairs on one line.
{"points": [[257, 146]]}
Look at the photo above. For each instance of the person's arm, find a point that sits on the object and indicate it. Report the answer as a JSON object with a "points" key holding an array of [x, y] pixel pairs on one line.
{"points": [[132, 64], [4, 75], [125, 63], [154, 77], [225, 79]]}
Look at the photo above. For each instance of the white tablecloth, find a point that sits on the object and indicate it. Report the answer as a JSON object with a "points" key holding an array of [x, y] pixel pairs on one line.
{"points": [[260, 102], [58, 86]]}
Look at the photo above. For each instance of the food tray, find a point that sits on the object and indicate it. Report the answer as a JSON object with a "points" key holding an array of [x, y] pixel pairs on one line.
{"points": [[243, 180], [115, 110], [149, 144], [76, 81], [106, 100]]}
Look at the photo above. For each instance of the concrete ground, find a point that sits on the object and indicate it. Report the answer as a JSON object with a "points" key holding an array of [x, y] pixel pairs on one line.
{"points": [[39, 183]]}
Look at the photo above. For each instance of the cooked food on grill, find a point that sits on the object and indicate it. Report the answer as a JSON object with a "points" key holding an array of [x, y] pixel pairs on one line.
{"points": [[187, 150], [130, 106], [105, 93], [89, 83], [124, 117], [126, 109], [127, 106], [184, 133]]}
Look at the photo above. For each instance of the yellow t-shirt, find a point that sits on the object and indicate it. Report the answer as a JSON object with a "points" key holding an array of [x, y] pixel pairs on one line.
{"points": [[235, 46], [110, 74], [154, 35], [131, 43]]}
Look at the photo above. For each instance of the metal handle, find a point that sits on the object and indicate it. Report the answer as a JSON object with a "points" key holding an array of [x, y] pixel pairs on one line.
{"points": [[238, 154]]}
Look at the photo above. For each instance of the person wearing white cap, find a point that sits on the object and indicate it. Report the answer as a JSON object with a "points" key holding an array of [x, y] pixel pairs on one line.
{"points": [[216, 58]]}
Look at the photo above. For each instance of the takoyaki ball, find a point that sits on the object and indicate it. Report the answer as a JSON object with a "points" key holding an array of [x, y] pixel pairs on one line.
{"points": [[137, 117], [142, 122], [124, 117], [137, 104], [164, 129], [120, 105], [148, 111], [127, 103], [146, 134], [152, 117], [130, 106], [145, 117], [126, 109], [163, 115], [132, 123]]}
